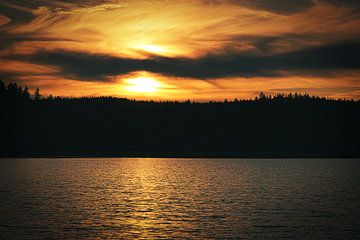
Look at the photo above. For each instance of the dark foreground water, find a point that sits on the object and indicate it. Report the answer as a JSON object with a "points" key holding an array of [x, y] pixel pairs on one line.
{"points": [[179, 198]]}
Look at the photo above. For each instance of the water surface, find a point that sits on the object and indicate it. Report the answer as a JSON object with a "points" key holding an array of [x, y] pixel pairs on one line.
{"points": [[127, 198]]}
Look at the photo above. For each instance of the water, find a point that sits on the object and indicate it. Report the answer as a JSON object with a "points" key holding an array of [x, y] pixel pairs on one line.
{"points": [[123, 198]]}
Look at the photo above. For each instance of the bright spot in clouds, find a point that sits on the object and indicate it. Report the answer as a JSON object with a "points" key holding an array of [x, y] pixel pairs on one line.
{"points": [[151, 48], [142, 85], [179, 50]]}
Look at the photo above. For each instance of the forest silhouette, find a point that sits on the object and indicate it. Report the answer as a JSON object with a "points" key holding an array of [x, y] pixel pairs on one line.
{"points": [[285, 125]]}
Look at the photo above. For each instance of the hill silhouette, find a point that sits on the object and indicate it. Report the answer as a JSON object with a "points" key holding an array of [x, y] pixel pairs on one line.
{"points": [[292, 125]]}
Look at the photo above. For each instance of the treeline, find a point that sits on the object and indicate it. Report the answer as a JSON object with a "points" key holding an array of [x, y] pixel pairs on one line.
{"points": [[12, 93], [284, 125]]}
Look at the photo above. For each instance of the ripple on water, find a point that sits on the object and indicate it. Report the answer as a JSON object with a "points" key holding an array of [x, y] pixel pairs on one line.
{"points": [[122, 198]]}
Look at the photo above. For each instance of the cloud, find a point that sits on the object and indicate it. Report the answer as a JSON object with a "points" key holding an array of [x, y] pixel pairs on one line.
{"points": [[181, 28], [290, 7], [98, 40], [352, 3], [15, 15], [304, 62], [278, 6]]}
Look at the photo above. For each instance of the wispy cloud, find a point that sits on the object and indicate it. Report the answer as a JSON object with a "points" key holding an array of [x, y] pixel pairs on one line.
{"points": [[314, 61], [102, 40]]}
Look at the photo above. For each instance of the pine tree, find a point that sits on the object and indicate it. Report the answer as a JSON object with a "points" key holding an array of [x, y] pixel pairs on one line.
{"points": [[25, 93], [2, 89], [262, 96], [37, 95]]}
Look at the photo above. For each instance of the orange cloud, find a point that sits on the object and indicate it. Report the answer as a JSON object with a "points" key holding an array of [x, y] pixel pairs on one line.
{"points": [[177, 29], [19, 67], [345, 86], [185, 28]]}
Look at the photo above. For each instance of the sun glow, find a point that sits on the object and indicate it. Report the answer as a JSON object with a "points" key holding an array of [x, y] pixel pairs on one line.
{"points": [[150, 48], [142, 85]]}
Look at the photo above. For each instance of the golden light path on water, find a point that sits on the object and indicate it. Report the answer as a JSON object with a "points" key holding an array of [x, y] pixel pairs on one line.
{"points": [[171, 198]]}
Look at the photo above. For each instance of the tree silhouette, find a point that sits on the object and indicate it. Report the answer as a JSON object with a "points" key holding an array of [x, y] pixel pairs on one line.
{"points": [[262, 96], [25, 93], [2, 89], [37, 95], [290, 125]]}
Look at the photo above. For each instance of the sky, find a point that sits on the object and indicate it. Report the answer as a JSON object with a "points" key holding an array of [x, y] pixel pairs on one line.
{"points": [[176, 50]]}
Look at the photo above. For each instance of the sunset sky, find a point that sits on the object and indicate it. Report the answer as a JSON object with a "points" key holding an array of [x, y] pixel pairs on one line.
{"points": [[176, 50]]}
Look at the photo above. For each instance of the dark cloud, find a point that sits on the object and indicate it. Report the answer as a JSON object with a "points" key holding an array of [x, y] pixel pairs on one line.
{"points": [[8, 40], [15, 15], [279, 6], [293, 6], [83, 66], [353, 3], [20, 11], [286, 6]]}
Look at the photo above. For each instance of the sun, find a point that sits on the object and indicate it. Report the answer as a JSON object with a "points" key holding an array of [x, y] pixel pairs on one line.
{"points": [[142, 85], [151, 48]]}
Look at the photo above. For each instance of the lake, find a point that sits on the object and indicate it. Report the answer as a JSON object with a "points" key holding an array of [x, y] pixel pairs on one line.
{"points": [[167, 198]]}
